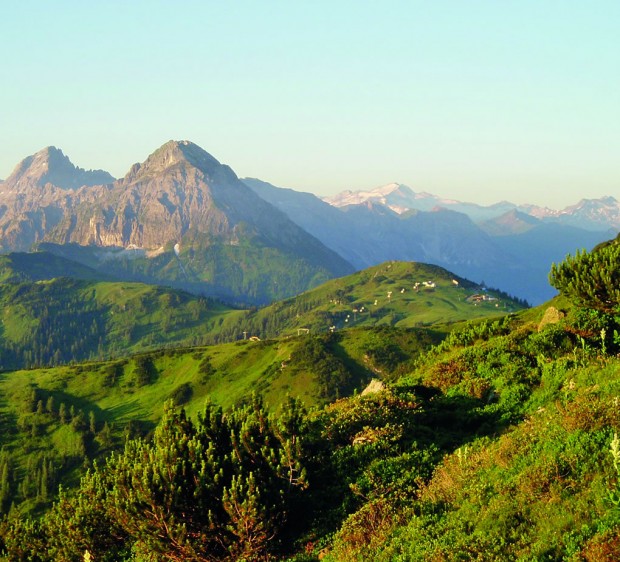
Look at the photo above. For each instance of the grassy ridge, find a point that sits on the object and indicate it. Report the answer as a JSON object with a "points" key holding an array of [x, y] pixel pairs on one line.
{"points": [[391, 294], [19, 267], [57, 320], [63, 320]]}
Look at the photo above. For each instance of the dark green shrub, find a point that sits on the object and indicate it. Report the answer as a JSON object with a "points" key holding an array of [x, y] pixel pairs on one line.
{"points": [[182, 394], [144, 370], [590, 279]]}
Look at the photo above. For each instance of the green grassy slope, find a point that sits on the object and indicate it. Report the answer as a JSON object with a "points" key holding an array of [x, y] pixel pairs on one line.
{"points": [[59, 320], [517, 441], [381, 295], [19, 267], [68, 414], [245, 273], [62, 320]]}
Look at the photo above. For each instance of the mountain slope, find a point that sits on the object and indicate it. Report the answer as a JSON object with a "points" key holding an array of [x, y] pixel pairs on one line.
{"points": [[400, 294], [86, 410], [62, 320], [37, 266], [183, 218], [370, 233]]}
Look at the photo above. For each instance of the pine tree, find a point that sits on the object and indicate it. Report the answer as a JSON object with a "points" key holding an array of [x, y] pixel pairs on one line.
{"points": [[49, 407], [591, 279], [105, 435], [62, 413], [5, 480], [82, 521], [92, 423], [212, 490]]}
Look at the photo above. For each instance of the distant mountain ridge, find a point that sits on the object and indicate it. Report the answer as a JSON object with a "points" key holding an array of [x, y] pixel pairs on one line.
{"points": [[591, 214], [506, 248], [183, 219]]}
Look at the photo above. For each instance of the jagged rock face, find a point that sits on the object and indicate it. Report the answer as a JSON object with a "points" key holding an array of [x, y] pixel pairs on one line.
{"points": [[40, 194], [157, 202], [30, 215], [51, 166], [180, 191]]}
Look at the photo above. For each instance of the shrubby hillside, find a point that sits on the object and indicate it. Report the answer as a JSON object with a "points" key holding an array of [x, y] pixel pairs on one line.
{"points": [[497, 442]]}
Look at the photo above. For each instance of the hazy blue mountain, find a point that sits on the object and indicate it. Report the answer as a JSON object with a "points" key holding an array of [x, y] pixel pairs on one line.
{"points": [[512, 251], [589, 214], [401, 198]]}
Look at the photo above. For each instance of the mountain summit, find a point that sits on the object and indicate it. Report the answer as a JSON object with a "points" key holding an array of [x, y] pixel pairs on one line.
{"points": [[396, 196], [180, 218], [51, 166], [174, 154]]}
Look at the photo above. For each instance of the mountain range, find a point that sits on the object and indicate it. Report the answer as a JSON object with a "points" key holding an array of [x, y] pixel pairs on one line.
{"points": [[591, 214], [183, 219], [180, 218], [501, 245]]}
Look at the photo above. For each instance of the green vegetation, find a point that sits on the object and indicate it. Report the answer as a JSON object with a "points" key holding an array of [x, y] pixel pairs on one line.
{"points": [[401, 294], [63, 320], [242, 273], [495, 439], [591, 279], [20, 267], [56, 320], [72, 415]]}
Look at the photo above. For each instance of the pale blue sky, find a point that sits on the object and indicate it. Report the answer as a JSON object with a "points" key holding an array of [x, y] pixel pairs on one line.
{"points": [[473, 100]]}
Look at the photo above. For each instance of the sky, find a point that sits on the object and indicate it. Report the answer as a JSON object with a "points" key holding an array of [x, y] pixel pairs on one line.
{"points": [[473, 100]]}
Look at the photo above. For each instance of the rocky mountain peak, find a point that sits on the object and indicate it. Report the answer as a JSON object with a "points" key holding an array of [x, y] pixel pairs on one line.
{"points": [[175, 154], [595, 214], [51, 166]]}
